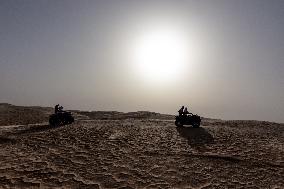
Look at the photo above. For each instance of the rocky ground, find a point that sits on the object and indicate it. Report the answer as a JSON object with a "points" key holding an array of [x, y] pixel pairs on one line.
{"points": [[142, 153]]}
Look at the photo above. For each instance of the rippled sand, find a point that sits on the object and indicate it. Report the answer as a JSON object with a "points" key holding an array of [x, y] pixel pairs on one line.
{"points": [[143, 154]]}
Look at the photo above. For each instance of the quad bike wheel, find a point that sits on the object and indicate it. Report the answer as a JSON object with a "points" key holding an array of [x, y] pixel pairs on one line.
{"points": [[178, 123], [54, 121], [195, 124]]}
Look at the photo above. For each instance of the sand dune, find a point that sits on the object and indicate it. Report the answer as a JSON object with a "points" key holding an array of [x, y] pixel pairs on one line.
{"points": [[17, 115], [143, 153], [114, 115]]}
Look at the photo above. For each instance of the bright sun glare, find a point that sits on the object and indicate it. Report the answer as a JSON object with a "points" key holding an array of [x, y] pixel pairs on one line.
{"points": [[160, 55]]}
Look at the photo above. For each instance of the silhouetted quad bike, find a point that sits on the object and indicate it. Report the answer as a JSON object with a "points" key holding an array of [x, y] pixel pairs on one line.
{"points": [[190, 119], [61, 118]]}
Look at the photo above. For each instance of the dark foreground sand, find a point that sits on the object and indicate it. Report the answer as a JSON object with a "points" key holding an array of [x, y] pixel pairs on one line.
{"points": [[143, 154]]}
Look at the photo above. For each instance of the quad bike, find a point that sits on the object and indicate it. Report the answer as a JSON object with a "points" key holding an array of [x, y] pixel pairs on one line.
{"points": [[190, 119], [61, 118]]}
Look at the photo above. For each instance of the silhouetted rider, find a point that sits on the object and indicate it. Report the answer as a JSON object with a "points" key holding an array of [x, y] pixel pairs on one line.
{"points": [[56, 108], [180, 112], [60, 109], [185, 112]]}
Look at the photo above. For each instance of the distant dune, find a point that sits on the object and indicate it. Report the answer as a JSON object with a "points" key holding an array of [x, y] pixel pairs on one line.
{"points": [[137, 150], [105, 115], [21, 115]]}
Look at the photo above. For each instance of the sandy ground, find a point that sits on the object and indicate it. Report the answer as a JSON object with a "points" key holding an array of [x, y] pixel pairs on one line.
{"points": [[143, 154]]}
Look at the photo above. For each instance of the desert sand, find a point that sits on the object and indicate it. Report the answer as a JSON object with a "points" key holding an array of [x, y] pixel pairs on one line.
{"points": [[137, 150]]}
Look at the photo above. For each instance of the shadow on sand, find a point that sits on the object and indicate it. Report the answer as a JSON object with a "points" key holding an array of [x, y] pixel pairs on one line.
{"points": [[197, 137], [4, 140], [37, 128], [12, 135]]}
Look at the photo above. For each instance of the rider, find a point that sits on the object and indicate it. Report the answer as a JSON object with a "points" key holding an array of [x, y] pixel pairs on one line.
{"points": [[185, 112], [60, 109], [180, 112], [56, 108]]}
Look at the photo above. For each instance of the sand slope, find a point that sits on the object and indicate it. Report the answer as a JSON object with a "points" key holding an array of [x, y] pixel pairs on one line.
{"points": [[17, 115], [143, 153]]}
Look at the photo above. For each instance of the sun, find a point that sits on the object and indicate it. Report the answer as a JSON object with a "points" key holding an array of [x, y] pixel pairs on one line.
{"points": [[160, 55]]}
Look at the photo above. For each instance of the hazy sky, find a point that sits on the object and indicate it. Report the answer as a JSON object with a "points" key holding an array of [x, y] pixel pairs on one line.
{"points": [[80, 54]]}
